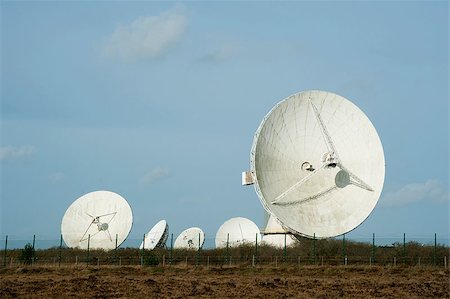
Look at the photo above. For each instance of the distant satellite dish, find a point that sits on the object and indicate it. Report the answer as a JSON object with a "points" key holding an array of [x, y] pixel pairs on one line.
{"points": [[275, 235], [191, 238], [156, 237], [237, 231], [317, 164], [97, 218]]}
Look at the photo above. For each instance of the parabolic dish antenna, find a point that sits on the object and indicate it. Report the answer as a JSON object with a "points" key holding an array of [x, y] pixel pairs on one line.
{"points": [[275, 235], [237, 231], [192, 238], [317, 164], [156, 237], [100, 218]]}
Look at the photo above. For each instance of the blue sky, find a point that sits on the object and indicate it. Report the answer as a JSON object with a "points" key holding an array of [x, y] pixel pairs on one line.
{"points": [[159, 101]]}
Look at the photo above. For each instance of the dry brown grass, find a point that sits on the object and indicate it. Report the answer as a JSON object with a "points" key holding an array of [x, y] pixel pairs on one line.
{"points": [[224, 282]]}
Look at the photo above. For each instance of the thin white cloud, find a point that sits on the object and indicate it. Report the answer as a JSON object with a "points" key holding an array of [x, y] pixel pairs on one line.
{"points": [[146, 37], [222, 53], [14, 152], [154, 175], [56, 177], [429, 191]]}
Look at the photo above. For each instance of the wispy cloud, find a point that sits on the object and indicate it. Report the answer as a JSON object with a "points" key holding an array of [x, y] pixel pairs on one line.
{"points": [[154, 175], [146, 37], [429, 191], [56, 177], [13, 152], [222, 53]]}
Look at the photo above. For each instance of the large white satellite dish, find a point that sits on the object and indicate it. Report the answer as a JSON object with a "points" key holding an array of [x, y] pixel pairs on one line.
{"points": [[97, 218], [237, 231], [191, 238], [317, 163], [156, 237], [275, 235]]}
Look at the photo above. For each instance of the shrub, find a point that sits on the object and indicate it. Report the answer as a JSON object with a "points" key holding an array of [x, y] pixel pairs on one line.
{"points": [[151, 259], [27, 254]]}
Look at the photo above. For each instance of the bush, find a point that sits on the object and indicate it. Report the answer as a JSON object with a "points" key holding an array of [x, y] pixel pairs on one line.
{"points": [[151, 259], [27, 254]]}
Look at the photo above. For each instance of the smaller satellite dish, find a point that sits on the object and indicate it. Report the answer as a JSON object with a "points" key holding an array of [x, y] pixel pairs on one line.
{"points": [[156, 237], [275, 235], [98, 220], [191, 238], [237, 231]]}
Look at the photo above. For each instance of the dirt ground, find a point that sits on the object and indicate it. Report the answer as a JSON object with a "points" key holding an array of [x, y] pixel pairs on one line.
{"points": [[217, 282]]}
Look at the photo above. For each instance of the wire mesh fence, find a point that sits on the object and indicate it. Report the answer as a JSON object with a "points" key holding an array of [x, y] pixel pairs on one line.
{"points": [[381, 251]]}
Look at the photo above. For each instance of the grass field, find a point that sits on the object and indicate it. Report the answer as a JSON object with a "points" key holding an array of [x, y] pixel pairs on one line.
{"points": [[311, 269], [224, 282]]}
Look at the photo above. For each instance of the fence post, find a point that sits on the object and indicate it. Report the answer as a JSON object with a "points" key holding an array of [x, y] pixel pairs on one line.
{"points": [[115, 249], [256, 245], [87, 259], [6, 247], [228, 252], [198, 251], [207, 263], [373, 248], [404, 248], [143, 250], [284, 251], [171, 249], [445, 262], [344, 249], [60, 250], [253, 261], [434, 251], [314, 248], [32, 256]]}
